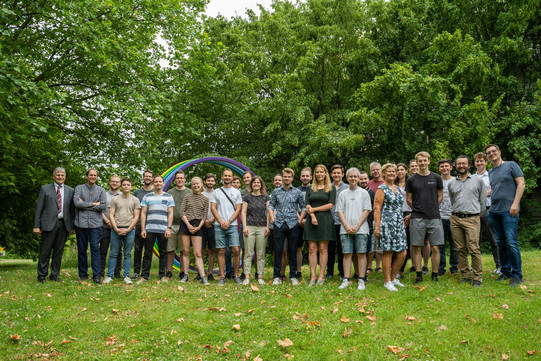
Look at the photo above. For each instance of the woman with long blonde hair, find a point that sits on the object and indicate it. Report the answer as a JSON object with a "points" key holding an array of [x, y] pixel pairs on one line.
{"points": [[319, 227]]}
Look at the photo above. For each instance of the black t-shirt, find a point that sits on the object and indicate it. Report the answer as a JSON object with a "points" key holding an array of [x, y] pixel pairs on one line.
{"points": [[424, 195]]}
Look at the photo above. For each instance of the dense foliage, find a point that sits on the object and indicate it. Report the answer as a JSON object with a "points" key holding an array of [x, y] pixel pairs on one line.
{"points": [[321, 81]]}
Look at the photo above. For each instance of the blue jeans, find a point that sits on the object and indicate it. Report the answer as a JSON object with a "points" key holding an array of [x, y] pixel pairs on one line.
{"points": [[116, 242], [453, 257], [84, 236], [505, 229]]}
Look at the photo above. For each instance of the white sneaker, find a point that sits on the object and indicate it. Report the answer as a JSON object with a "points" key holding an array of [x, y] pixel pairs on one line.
{"points": [[311, 283], [361, 285], [277, 281], [246, 281], [345, 284], [294, 282], [498, 271], [107, 279], [261, 281], [389, 285], [128, 280], [397, 282]]}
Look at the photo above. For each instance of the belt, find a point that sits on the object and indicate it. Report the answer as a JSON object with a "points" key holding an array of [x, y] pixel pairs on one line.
{"points": [[60, 219], [465, 215]]}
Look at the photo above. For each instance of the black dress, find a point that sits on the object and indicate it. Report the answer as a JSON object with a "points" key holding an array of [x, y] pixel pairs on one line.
{"points": [[324, 231]]}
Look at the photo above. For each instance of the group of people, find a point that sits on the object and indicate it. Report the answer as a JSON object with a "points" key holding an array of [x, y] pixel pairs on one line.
{"points": [[402, 211]]}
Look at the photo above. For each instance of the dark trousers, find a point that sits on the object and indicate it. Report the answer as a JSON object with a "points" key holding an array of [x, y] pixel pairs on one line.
{"points": [[335, 249], [453, 256], [52, 241], [487, 230], [280, 234], [147, 257], [105, 241], [138, 245], [84, 237]]}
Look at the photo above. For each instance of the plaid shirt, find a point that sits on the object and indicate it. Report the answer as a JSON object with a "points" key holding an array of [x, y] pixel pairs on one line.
{"points": [[285, 204], [88, 215]]}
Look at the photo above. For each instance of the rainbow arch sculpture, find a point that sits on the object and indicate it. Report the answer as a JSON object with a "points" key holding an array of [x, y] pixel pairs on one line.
{"points": [[169, 176]]}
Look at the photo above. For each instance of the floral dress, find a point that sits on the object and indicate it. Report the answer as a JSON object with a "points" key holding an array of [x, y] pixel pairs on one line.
{"points": [[393, 235]]}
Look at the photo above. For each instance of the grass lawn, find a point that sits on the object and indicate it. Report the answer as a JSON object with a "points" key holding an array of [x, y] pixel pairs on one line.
{"points": [[164, 321]]}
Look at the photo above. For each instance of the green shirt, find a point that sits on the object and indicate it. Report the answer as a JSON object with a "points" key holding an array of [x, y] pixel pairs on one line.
{"points": [[178, 196]]}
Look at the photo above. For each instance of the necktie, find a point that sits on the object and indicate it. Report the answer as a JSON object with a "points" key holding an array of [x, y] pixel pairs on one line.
{"points": [[59, 198]]}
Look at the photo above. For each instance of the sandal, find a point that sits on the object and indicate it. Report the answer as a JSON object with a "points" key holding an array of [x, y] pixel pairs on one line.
{"points": [[368, 270], [378, 269]]}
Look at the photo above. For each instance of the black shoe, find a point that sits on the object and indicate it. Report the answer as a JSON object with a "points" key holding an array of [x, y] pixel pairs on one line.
{"points": [[435, 277], [466, 280], [256, 276], [411, 270], [515, 281], [299, 275], [425, 270], [355, 277], [197, 278], [418, 279], [55, 279], [476, 284], [229, 276], [41, 280], [242, 277], [210, 277], [83, 278], [328, 277], [503, 277], [169, 274], [117, 275], [180, 275], [441, 272], [97, 280], [283, 278], [135, 276], [453, 271]]}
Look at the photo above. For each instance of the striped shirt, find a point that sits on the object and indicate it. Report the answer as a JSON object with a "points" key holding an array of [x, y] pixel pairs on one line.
{"points": [[157, 206], [194, 207], [89, 215]]}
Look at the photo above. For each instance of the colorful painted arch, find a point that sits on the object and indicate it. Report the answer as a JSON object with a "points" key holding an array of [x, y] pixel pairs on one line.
{"points": [[169, 176]]}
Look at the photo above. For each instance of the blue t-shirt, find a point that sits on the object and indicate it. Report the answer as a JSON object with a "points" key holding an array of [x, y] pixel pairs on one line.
{"points": [[503, 185], [157, 211]]}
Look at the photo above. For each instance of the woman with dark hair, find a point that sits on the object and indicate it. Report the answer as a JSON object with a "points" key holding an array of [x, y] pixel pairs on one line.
{"points": [[319, 226], [389, 226], [255, 225]]}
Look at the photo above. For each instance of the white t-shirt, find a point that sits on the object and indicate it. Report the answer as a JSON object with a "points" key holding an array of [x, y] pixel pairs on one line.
{"points": [[352, 203], [223, 205]]}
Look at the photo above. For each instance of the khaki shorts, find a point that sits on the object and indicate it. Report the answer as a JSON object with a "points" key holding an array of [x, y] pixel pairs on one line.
{"points": [[175, 241]]}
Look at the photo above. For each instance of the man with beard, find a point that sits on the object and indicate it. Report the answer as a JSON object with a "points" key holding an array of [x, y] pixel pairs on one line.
{"points": [[468, 198], [114, 185], [139, 241]]}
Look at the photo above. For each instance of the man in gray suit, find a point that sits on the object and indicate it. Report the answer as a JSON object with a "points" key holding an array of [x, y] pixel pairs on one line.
{"points": [[54, 221]]}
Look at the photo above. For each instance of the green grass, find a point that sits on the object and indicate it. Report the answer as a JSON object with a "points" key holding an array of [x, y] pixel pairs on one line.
{"points": [[159, 321]]}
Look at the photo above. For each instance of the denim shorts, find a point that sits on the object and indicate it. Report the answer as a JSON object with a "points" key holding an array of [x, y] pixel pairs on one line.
{"points": [[357, 242], [230, 237]]}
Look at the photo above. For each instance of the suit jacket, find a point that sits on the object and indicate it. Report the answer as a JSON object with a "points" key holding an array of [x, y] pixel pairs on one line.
{"points": [[47, 208]]}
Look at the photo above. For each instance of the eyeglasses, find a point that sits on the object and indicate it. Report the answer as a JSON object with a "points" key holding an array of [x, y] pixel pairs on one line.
{"points": [[492, 152]]}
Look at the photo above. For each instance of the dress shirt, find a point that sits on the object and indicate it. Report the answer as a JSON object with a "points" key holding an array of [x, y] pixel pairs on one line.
{"points": [[468, 196], [284, 203], [109, 196], [485, 179], [89, 215], [61, 214]]}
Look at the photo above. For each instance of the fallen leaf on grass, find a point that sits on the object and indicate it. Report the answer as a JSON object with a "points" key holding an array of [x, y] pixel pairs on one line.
{"points": [[505, 357], [295, 317], [344, 319], [247, 355], [288, 295], [181, 289], [371, 318], [410, 318], [111, 340], [531, 353], [254, 288], [334, 310], [285, 343], [288, 356], [464, 341], [84, 309], [257, 358], [443, 328], [49, 343], [208, 347], [179, 320], [421, 288], [523, 287], [323, 308], [236, 327], [403, 357], [250, 310], [64, 341], [505, 306], [395, 349], [346, 333], [114, 310], [15, 337], [49, 294], [497, 316], [237, 314], [361, 309], [228, 343], [438, 299]]}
